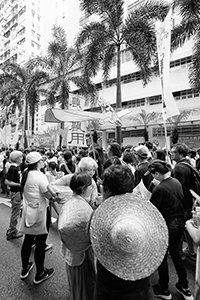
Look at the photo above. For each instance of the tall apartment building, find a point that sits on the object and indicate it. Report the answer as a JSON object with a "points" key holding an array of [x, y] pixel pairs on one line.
{"points": [[21, 29], [25, 29]]}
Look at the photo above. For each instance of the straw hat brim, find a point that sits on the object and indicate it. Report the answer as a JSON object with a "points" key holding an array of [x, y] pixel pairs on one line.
{"points": [[73, 224], [137, 264]]}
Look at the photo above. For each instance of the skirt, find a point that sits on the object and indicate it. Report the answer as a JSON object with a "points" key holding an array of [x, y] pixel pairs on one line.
{"points": [[81, 279]]}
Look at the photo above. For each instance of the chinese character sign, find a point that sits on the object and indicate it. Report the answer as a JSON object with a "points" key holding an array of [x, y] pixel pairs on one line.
{"points": [[77, 134]]}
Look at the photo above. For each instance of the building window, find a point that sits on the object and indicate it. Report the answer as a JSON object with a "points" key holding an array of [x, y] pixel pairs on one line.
{"points": [[32, 33], [38, 37], [155, 100], [181, 62], [186, 94], [32, 44], [22, 11], [21, 41], [134, 103], [38, 17]]}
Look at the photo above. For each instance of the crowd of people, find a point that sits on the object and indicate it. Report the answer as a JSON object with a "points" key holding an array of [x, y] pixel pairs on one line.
{"points": [[113, 237]]}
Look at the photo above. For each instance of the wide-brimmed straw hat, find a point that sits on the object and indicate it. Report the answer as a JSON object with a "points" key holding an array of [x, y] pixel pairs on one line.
{"points": [[73, 224], [129, 236]]}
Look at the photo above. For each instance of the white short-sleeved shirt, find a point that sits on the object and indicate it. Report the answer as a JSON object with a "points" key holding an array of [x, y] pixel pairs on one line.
{"points": [[36, 184], [65, 181]]}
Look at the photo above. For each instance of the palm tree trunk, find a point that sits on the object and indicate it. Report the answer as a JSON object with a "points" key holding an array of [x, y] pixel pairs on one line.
{"points": [[32, 122], [25, 123], [62, 126], [118, 95]]}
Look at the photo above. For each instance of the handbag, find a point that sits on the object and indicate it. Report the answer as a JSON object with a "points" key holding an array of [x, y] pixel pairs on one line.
{"points": [[33, 218]]}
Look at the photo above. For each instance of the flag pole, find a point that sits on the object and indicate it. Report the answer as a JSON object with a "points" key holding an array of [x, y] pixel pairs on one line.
{"points": [[163, 39]]}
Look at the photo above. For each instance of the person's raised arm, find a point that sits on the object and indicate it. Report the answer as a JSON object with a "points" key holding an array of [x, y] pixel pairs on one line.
{"points": [[193, 231]]}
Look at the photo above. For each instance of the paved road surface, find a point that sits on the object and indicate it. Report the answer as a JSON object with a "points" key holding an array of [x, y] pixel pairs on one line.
{"points": [[13, 288]]}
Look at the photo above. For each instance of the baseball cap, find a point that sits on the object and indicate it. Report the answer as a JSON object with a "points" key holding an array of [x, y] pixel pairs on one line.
{"points": [[142, 151], [33, 157]]}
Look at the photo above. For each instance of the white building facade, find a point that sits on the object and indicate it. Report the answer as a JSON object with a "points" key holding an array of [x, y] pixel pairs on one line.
{"points": [[136, 97]]}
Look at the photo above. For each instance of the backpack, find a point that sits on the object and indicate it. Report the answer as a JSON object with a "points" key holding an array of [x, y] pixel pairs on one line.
{"points": [[196, 178]]}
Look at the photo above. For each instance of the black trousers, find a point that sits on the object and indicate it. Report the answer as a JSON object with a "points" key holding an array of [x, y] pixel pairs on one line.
{"points": [[176, 228], [40, 243]]}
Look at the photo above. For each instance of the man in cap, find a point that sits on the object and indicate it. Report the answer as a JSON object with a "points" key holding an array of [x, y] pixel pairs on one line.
{"points": [[13, 179], [142, 154]]}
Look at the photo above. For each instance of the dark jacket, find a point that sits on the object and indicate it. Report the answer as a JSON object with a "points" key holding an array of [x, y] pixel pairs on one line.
{"points": [[184, 175], [140, 171], [168, 197]]}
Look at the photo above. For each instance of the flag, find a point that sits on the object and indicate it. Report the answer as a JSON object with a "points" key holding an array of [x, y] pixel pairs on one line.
{"points": [[16, 136], [113, 117], [163, 39]]}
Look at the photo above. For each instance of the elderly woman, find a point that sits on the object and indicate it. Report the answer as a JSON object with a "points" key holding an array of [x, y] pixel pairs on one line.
{"points": [[86, 165], [75, 247]]}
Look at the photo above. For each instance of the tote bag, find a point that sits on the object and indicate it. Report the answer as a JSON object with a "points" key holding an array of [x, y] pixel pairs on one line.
{"points": [[33, 218]]}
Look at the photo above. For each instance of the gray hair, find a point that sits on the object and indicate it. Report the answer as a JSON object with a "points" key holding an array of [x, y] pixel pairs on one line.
{"points": [[87, 162]]}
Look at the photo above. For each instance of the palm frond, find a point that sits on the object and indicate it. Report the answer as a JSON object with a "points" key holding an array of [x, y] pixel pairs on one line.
{"points": [[15, 69], [144, 118], [189, 11], [183, 116], [93, 30], [151, 10], [107, 60]]}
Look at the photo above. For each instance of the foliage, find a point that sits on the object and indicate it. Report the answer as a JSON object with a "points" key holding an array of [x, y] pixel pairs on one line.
{"points": [[102, 40], [189, 27], [62, 63], [144, 118], [176, 120], [18, 88], [183, 116]]}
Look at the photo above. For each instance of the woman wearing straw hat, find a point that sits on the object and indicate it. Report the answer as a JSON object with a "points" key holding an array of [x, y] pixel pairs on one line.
{"points": [[86, 165], [167, 196], [129, 238], [35, 219], [75, 247]]}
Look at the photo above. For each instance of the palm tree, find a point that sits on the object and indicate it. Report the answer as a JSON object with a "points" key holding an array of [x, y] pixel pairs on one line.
{"points": [[176, 120], [18, 86], [63, 64], [145, 119], [104, 39], [189, 27]]}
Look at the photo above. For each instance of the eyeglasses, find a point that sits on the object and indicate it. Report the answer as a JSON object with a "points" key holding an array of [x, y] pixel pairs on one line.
{"points": [[89, 170]]}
